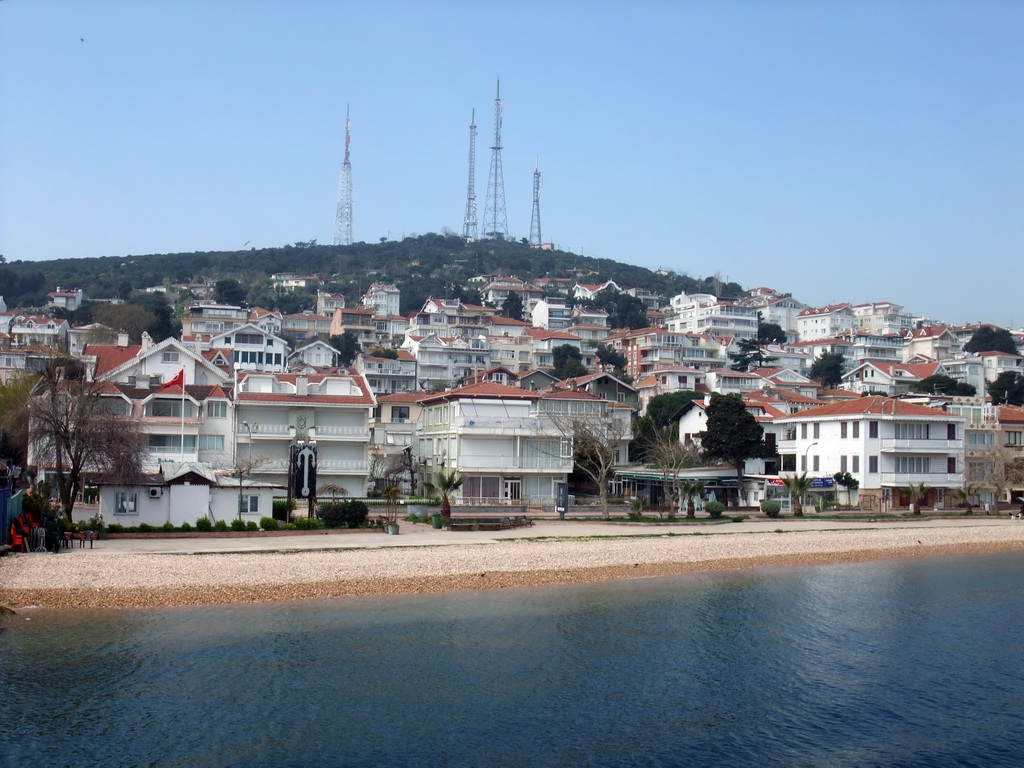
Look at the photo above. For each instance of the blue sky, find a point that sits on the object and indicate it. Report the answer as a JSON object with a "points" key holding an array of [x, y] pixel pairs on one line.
{"points": [[842, 151]]}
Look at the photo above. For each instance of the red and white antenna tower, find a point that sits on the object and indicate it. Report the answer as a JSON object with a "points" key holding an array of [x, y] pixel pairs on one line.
{"points": [[343, 218], [469, 228]]}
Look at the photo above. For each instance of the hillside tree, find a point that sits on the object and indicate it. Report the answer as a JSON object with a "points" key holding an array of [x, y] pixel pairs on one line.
{"points": [[733, 435], [827, 369]]}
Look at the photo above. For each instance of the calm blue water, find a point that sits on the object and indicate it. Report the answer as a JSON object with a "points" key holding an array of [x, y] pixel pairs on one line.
{"points": [[908, 663]]}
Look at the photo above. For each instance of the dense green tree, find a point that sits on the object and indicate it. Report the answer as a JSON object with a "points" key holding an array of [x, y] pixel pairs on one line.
{"points": [[347, 345], [827, 370], [750, 355], [645, 434], [733, 434], [164, 324], [770, 333], [228, 291], [125, 318], [609, 356], [664, 408], [512, 307], [1007, 389], [988, 339], [568, 362], [943, 385]]}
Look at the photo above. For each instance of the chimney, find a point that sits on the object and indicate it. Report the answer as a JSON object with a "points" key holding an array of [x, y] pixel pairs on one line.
{"points": [[301, 386], [147, 341], [122, 339]]}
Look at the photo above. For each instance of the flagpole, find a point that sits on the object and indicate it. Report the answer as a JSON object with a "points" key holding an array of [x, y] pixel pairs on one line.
{"points": [[182, 415]]}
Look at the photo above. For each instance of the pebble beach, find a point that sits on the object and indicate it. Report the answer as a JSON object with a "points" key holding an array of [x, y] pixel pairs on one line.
{"points": [[117, 580]]}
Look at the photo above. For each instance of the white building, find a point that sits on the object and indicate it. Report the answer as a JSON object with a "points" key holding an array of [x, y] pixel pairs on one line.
{"points": [[384, 299], [886, 444], [703, 313], [828, 322]]}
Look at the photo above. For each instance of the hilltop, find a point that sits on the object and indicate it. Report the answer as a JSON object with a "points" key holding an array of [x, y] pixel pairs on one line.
{"points": [[422, 266]]}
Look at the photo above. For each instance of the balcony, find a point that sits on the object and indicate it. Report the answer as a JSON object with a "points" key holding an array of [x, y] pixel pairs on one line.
{"points": [[553, 464], [930, 479], [907, 445]]}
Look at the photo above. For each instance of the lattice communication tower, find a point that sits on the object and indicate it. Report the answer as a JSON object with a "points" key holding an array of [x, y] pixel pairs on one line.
{"points": [[495, 220], [343, 217], [535, 238], [469, 228]]}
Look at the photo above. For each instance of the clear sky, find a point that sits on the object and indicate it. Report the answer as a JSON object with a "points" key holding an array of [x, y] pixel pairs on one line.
{"points": [[842, 151]]}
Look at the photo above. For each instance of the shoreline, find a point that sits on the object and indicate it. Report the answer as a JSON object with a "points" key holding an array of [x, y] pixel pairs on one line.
{"points": [[159, 580]]}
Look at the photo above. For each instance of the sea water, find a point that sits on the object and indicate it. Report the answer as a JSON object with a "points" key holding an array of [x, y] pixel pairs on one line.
{"points": [[895, 663]]}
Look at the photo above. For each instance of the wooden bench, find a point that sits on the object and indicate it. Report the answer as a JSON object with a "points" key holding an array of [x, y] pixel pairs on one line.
{"points": [[480, 523]]}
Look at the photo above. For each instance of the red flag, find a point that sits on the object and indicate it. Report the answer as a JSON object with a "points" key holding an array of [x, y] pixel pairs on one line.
{"points": [[177, 381]]}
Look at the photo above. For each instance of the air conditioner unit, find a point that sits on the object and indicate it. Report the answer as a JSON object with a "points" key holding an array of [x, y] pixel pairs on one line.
{"points": [[156, 493]]}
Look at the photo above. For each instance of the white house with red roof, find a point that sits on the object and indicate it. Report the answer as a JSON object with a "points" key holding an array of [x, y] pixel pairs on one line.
{"points": [[590, 290], [997, 363], [930, 342], [26, 330], [825, 322], [66, 298], [889, 378], [886, 444], [775, 307], [882, 318], [666, 381]]}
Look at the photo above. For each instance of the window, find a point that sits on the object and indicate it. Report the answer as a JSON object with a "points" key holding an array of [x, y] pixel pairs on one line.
{"points": [[842, 464], [1014, 438], [217, 409], [399, 414], [169, 357], [481, 488], [913, 465], [211, 442], [872, 429], [125, 503], [248, 338], [872, 464], [803, 463], [951, 431], [980, 439], [803, 431], [842, 431], [911, 431], [251, 504], [817, 463], [856, 462], [164, 408], [856, 429], [817, 430], [951, 464], [170, 443]]}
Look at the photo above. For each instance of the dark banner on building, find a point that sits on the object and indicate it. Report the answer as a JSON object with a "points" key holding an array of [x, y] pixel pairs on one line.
{"points": [[303, 475]]}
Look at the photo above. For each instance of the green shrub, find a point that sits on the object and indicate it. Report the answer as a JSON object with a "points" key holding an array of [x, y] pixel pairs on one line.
{"points": [[237, 525], [307, 524], [147, 528], [203, 524], [251, 525], [268, 524], [185, 527], [771, 507], [220, 525], [280, 508], [289, 526], [351, 513], [714, 508], [115, 528], [167, 527]]}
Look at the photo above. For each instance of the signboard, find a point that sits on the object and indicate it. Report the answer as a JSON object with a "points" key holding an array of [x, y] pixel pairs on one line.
{"points": [[303, 471], [822, 482], [561, 497]]}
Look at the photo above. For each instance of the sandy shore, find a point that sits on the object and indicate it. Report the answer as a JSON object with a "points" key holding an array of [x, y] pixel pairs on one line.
{"points": [[143, 580]]}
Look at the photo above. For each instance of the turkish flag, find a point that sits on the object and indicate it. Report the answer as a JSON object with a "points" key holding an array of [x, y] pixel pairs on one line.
{"points": [[177, 381]]}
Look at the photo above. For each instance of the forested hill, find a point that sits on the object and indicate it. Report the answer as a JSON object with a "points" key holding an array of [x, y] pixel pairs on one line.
{"points": [[422, 267]]}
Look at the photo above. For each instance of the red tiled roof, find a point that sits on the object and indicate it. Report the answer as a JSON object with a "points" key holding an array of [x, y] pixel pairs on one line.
{"points": [[872, 406], [483, 389], [110, 356]]}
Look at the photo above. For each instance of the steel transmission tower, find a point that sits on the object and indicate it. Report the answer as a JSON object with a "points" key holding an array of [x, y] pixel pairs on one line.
{"points": [[343, 218], [469, 229], [535, 238], [495, 220]]}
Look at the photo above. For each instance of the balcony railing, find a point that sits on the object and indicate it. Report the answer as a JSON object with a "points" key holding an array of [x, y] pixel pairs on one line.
{"points": [[500, 463], [908, 445], [930, 479]]}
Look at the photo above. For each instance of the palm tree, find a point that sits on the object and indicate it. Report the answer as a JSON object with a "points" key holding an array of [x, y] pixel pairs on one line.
{"points": [[963, 496], [915, 493], [689, 490], [445, 483], [797, 486]]}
